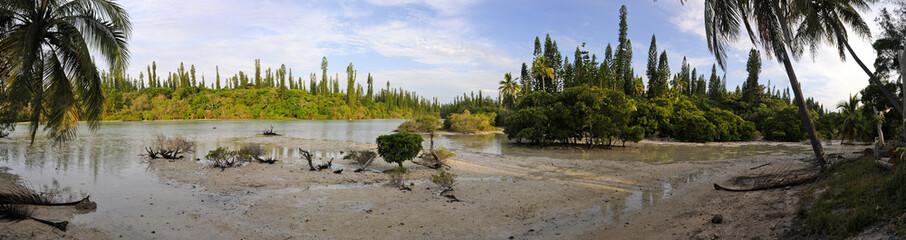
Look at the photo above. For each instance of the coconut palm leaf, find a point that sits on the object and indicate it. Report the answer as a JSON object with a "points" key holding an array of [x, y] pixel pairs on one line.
{"points": [[46, 62], [18, 213]]}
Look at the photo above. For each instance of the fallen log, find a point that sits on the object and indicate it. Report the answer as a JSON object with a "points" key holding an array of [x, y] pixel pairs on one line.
{"points": [[884, 164]]}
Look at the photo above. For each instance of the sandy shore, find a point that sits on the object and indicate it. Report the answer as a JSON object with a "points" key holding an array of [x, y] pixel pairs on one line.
{"points": [[502, 197], [29, 229]]}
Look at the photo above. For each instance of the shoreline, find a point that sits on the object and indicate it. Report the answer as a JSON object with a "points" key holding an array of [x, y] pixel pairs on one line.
{"points": [[502, 196]]}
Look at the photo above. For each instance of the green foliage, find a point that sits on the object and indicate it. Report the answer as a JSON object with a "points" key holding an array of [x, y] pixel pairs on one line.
{"points": [[853, 196], [223, 158], [361, 157], [785, 125], [467, 122], [398, 177], [576, 115], [422, 124], [399, 147], [48, 51], [260, 103], [445, 180], [443, 153]]}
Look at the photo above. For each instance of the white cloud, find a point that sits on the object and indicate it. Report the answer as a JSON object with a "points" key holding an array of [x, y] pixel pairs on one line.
{"points": [[691, 18], [444, 82], [444, 7], [231, 34], [824, 77]]}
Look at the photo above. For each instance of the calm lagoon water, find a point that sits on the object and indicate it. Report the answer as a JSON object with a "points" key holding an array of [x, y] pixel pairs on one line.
{"points": [[133, 201]]}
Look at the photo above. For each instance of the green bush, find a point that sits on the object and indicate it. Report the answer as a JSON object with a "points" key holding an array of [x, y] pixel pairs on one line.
{"points": [[223, 158], [467, 122], [785, 125], [445, 180], [423, 124], [399, 147], [398, 177], [361, 157]]}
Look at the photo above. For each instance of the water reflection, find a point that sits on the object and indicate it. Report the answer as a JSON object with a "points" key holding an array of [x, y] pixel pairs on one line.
{"points": [[106, 165]]}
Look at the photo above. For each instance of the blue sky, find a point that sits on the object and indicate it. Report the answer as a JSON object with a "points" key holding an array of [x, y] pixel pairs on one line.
{"points": [[442, 48]]}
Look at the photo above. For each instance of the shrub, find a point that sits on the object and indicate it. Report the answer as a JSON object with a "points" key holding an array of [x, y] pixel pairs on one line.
{"points": [[466, 122], [221, 158], [445, 180], [785, 125], [360, 157], [398, 177], [442, 155], [252, 151], [399, 147], [170, 148], [423, 124]]}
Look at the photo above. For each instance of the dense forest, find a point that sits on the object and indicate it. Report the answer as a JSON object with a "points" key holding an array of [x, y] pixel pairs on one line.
{"points": [[602, 101], [268, 94]]}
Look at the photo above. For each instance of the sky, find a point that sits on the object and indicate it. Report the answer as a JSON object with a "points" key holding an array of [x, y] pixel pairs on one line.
{"points": [[443, 48]]}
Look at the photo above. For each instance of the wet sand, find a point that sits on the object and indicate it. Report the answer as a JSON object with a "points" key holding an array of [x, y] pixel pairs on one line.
{"points": [[502, 197]]}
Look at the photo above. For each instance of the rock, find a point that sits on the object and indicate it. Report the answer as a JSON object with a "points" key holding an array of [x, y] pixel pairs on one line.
{"points": [[717, 219]]}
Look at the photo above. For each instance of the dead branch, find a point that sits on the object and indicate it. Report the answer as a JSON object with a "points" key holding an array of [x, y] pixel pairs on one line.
{"points": [[170, 148], [307, 156], [270, 132]]}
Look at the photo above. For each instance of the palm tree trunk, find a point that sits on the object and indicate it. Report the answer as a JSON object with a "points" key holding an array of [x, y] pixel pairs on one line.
{"points": [[871, 76], [903, 83], [797, 90]]}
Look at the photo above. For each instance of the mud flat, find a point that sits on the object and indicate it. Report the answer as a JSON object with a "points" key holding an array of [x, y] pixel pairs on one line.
{"points": [[503, 196]]}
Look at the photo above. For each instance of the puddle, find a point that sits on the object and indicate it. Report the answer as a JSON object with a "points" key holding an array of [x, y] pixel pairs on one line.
{"points": [[611, 211]]}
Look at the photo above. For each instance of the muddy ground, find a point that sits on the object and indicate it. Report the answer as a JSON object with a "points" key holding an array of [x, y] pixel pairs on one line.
{"points": [[503, 197]]}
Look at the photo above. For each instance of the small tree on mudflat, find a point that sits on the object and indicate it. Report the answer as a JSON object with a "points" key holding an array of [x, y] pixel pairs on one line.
{"points": [[399, 147]]}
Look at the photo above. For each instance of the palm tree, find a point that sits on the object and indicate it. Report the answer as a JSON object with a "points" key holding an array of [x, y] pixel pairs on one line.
{"points": [[852, 118], [46, 63], [772, 32], [509, 88], [541, 67], [827, 20]]}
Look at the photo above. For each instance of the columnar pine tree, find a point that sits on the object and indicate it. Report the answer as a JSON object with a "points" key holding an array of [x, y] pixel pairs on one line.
{"points": [[350, 84], [714, 89], [652, 70], [619, 67]]}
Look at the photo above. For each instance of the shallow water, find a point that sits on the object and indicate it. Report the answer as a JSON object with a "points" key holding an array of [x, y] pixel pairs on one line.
{"points": [[135, 202]]}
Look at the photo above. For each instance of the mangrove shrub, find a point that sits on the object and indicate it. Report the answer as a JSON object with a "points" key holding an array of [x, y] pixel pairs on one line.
{"points": [[399, 147]]}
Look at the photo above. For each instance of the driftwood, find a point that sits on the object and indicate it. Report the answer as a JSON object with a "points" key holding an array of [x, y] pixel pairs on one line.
{"points": [[307, 156], [326, 165], [451, 197], [170, 148], [365, 166], [266, 160], [270, 132]]}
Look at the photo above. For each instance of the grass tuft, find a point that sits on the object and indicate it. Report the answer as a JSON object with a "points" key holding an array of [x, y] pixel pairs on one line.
{"points": [[853, 196]]}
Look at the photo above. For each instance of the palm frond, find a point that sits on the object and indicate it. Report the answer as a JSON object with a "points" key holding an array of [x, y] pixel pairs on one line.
{"points": [[18, 213]]}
